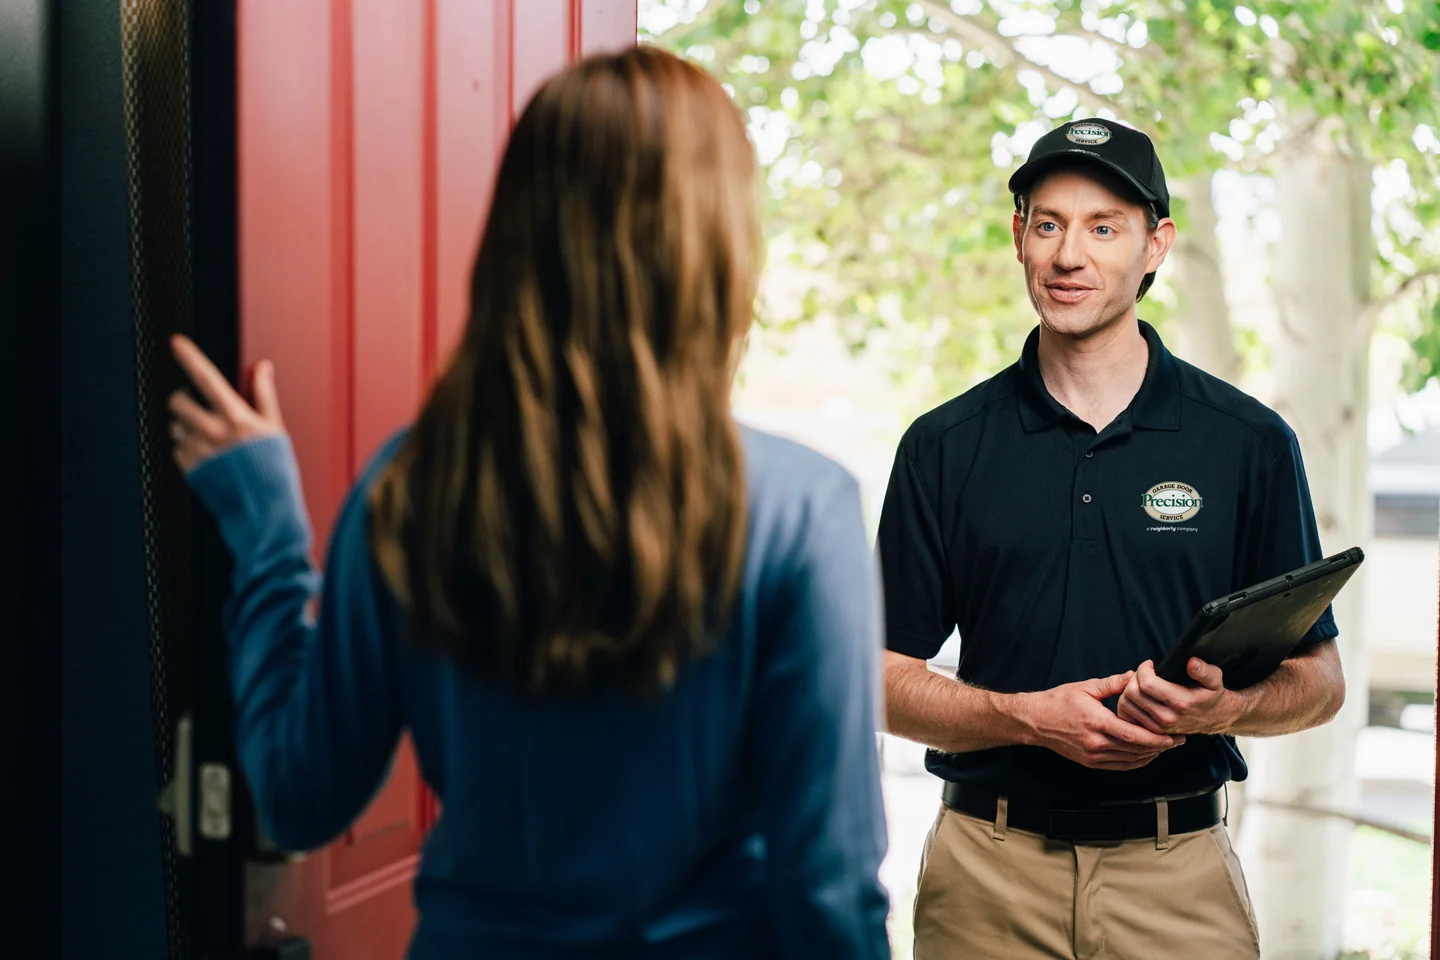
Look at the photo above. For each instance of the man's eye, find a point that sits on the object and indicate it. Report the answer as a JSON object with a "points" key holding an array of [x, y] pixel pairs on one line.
{"points": [[1103, 230], [1046, 227]]}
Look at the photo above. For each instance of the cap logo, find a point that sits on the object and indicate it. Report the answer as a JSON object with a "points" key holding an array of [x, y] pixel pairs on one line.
{"points": [[1172, 501], [1088, 134]]}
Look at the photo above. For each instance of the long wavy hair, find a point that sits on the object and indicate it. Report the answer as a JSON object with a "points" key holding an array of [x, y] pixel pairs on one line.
{"points": [[568, 514]]}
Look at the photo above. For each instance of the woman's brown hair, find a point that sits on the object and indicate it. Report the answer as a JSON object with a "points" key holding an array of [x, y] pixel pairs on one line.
{"points": [[568, 513]]}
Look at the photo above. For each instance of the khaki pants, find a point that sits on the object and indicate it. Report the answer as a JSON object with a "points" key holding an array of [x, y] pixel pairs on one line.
{"points": [[990, 892]]}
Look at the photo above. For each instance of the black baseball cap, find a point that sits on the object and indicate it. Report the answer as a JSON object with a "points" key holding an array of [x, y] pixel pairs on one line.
{"points": [[1120, 149]]}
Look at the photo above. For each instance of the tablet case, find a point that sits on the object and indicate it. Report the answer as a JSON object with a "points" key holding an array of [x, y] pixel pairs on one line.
{"points": [[1249, 633]]}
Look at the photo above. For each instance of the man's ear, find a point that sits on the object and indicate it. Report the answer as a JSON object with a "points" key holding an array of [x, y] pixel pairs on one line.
{"points": [[1017, 229], [1161, 239]]}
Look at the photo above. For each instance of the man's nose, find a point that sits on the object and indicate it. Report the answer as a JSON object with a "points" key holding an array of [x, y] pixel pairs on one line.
{"points": [[1071, 255]]}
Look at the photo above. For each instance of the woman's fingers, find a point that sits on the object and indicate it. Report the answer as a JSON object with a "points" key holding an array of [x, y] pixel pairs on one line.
{"points": [[193, 418], [208, 379], [192, 451], [200, 433], [267, 399]]}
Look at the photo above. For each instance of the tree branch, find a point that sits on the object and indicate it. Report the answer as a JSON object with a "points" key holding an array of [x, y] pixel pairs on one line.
{"points": [[1005, 54], [1149, 51], [1419, 276], [1374, 308]]}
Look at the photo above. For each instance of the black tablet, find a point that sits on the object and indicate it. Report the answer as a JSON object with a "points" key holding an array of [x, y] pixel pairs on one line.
{"points": [[1250, 632]]}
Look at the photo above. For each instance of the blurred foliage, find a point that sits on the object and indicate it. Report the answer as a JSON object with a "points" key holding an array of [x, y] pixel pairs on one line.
{"points": [[888, 128]]}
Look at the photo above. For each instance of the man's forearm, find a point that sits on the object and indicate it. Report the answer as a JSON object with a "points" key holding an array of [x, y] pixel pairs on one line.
{"points": [[948, 714], [1305, 692]]}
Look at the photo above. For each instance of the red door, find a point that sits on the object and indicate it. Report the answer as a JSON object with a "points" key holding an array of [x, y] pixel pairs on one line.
{"points": [[369, 133]]}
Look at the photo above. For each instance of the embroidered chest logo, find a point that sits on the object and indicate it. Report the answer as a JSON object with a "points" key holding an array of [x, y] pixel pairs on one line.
{"points": [[1172, 501]]}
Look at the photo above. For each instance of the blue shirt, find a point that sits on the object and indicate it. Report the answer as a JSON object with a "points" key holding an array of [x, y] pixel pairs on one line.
{"points": [[737, 815]]}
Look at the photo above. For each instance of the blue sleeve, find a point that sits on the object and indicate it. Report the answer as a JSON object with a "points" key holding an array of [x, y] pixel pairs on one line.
{"points": [[814, 738], [317, 703]]}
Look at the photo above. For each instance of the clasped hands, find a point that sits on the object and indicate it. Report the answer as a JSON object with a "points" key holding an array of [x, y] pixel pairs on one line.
{"points": [[1152, 715]]}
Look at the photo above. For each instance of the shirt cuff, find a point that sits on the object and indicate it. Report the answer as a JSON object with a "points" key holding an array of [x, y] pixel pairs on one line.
{"points": [[253, 489], [921, 649]]}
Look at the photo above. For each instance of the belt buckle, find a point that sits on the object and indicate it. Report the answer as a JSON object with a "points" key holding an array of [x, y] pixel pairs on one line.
{"points": [[1081, 825]]}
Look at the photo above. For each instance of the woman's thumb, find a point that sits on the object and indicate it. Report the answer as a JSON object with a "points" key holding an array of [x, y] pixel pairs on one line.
{"points": [[267, 399]]}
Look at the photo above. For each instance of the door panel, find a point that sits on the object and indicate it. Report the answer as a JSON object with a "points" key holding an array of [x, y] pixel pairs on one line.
{"points": [[471, 72], [389, 229], [544, 32], [369, 134], [606, 25]]}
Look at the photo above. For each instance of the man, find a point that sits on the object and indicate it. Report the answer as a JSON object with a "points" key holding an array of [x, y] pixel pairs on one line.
{"points": [[1083, 804]]}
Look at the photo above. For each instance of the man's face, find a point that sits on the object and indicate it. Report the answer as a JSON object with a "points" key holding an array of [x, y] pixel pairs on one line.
{"points": [[1085, 251]]}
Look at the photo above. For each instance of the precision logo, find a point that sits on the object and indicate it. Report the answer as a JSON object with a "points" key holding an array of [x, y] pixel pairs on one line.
{"points": [[1089, 134], [1172, 501]]}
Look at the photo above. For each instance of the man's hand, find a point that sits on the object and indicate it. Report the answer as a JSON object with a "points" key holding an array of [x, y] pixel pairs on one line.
{"points": [[1072, 721], [1163, 707]]}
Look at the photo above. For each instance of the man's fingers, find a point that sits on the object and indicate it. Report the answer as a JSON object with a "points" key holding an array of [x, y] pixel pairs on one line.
{"points": [[1122, 763], [1127, 710], [1129, 733], [1103, 687], [194, 418], [1207, 675], [207, 378], [1161, 691], [1158, 716]]}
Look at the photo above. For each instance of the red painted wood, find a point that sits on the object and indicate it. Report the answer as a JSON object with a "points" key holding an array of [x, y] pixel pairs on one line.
{"points": [[472, 104], [390, 209], [542, 29], [284, 172], [369, 135], [606, 26]]}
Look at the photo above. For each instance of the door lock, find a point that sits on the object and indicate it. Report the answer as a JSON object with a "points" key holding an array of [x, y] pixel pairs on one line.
{"points": [[177, 799]]}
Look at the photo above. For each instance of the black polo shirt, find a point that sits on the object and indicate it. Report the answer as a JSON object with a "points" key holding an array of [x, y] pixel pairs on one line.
{"points": [[1062, 554]]}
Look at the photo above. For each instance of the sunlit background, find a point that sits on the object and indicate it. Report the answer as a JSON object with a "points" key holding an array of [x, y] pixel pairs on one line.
{"points": [[1300, 142]]}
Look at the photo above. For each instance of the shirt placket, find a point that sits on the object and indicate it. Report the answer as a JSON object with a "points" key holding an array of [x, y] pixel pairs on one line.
{"points": [[1087, 543]]}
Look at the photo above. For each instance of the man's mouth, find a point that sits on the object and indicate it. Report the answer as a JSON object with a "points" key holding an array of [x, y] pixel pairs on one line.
{"points": [[1069, 292]]}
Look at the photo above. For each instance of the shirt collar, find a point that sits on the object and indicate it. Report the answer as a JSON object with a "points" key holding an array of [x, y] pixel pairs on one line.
{"points": [[1156, 405]]}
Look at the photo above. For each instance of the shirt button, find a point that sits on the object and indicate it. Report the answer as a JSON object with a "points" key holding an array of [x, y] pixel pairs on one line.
{"points": [[1087, 498], [1089, 454]]}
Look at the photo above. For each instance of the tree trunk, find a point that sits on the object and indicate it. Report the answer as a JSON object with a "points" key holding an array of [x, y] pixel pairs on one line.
{"points": [[1298, 863], [1204, 332]]}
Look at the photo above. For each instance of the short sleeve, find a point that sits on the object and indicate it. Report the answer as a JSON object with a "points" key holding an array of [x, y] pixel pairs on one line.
{"points": [[919, 615], [1284, 534]]}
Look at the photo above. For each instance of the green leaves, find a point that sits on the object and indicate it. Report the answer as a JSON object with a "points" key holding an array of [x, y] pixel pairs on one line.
{"points": [[886, 165], [1424, 361]]}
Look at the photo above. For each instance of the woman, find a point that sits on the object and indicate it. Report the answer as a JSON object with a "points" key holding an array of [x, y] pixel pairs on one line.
{"points": [[634, 644]]}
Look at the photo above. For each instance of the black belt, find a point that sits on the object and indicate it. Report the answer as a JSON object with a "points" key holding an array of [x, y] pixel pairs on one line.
{"points": [[1110, 821]]}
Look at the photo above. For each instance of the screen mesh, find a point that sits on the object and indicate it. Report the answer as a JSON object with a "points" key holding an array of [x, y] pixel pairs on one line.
{"points": [[155, 39]]}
